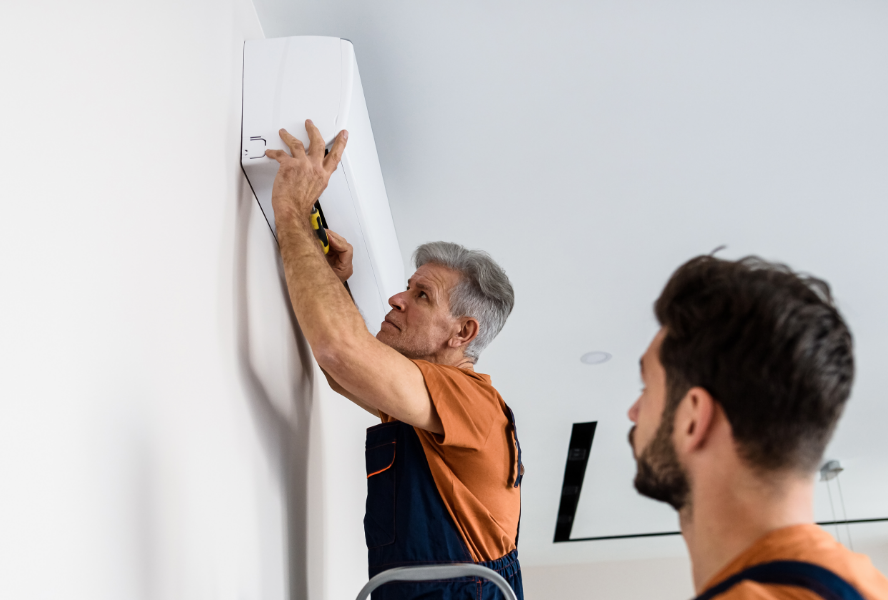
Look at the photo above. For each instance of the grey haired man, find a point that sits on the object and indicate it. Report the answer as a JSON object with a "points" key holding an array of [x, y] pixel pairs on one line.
{"points": [[444, 467]]}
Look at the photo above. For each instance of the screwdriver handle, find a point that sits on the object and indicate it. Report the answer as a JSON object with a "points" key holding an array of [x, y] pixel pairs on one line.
{"points": [[319, 230]]}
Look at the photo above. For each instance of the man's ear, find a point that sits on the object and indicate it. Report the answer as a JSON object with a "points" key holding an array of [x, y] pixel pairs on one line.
{"points": [[468, 331], [694, 419]]}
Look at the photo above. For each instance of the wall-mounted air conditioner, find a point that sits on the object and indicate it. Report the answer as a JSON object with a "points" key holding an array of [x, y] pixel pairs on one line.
{"points": [[289, 80]]}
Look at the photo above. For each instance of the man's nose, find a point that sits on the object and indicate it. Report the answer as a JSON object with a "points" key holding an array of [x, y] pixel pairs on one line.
{"points": [[633, 412], [398, 301]]}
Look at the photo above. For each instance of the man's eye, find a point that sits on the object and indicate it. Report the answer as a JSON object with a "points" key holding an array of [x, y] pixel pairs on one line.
{"points": [[423, 295]]}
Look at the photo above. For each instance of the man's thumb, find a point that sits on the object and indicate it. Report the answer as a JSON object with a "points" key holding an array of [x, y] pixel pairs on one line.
{"points": [[336, 240]]}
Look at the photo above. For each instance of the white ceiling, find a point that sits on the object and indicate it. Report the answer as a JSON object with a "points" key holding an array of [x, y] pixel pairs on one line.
{"points": [[592, 147]]}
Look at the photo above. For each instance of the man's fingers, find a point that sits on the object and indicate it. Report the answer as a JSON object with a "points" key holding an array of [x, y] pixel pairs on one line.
{"points": [[336, 153], [338, 242], [315, 140], [293, 143], [278, 155]]}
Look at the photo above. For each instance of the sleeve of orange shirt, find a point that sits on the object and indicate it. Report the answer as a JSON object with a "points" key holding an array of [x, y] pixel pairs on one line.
{"points": [[466, 421]]}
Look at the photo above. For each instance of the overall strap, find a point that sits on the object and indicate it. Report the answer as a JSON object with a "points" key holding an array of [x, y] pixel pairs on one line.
{"points": [[818, 580], [519, 469], [519, 473]]}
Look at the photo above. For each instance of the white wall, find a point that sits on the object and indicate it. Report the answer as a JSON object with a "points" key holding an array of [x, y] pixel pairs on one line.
{"points": [[161, 431], [660, 578]]}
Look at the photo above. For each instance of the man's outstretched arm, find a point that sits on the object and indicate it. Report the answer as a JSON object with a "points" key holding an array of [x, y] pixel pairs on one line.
{"points": [[366, 368]]}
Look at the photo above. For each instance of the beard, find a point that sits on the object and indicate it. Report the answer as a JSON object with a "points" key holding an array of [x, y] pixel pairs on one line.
{"points": [[659, 475], [406, 345], [406, 350]]}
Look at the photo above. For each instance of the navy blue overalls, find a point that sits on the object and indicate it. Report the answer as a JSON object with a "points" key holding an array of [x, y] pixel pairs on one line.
{"points": [[407, 523]]}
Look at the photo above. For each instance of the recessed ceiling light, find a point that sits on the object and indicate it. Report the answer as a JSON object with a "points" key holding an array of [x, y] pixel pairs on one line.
{"points": [[595, 358]]}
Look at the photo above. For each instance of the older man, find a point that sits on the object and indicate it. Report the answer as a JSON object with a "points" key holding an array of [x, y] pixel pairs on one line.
{"points": [[444, 467], [743, 387]]}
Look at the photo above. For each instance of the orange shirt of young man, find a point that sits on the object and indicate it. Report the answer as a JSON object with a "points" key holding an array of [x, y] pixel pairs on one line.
{"points": [[805, 543], [475, 462]]}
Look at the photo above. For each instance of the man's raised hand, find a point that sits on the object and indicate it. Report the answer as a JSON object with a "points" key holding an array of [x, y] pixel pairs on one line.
{"points": [[303, 174]]}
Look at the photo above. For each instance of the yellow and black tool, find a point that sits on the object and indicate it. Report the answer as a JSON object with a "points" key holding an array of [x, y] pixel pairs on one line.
{"points": [[318, 225]]}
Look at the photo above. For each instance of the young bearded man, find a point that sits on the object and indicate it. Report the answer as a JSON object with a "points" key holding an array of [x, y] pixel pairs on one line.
{"points": [[743, 387], [444, 467]]}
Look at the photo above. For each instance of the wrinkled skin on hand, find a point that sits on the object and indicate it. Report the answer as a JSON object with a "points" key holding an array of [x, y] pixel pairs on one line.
{"points": [[304, 174]]}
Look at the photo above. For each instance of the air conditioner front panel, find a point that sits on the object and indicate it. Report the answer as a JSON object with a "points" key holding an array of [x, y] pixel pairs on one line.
{"points": [[289, 80]]}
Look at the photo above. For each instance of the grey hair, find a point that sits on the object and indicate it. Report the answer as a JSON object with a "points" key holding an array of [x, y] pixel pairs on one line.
{"points": [[483, 293]]}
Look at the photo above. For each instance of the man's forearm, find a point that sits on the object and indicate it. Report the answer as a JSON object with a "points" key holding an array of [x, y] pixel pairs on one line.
{"points": [[367, 369], [372, 375], [324, 309]]}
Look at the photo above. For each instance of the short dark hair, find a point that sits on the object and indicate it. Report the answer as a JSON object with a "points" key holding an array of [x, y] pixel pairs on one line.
{"points": [[770, 347]]}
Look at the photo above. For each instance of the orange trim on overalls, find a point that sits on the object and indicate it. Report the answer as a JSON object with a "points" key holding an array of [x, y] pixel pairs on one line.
{"points": [[385, 469]]}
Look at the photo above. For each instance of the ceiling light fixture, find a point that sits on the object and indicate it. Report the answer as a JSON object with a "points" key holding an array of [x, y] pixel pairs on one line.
{"points": [[595, 358]]}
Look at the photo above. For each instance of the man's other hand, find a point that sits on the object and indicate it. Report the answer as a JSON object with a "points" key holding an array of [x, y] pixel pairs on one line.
{"points": [[340, 256], [303, 174]]}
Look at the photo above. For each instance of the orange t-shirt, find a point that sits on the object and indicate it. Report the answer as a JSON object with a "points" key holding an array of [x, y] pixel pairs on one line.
{"points": [[475, 462], [806, 543]]}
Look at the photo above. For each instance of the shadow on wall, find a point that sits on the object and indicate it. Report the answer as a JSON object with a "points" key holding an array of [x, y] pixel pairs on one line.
{"points": [[286, 433]]}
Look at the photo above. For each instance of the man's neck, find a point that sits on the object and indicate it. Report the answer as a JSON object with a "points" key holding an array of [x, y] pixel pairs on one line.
{"points": [[466, 364], [733, 508], [451, 359]]}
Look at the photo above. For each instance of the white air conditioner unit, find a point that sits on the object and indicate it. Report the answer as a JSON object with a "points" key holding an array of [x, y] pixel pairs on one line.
{"points": [[289, 80]]}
